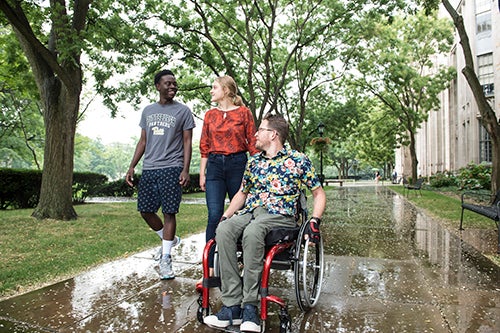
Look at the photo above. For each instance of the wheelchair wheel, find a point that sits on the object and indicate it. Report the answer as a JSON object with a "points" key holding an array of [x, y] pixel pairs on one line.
{"points": [[308, 271]]}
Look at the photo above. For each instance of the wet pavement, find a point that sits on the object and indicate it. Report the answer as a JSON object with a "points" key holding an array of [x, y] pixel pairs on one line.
{"points": [[388, 268]]}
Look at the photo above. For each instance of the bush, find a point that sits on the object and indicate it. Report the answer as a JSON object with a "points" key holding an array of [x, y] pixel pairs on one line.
{"points": [[21, 188], [85, 183], [474, 177], [443, 179], [117, 188], [120, 188]]}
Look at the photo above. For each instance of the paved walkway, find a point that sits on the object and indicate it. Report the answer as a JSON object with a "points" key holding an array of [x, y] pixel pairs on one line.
{"points": [[389, 268]]}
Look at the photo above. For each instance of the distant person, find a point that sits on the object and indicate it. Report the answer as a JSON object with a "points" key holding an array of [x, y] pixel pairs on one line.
{"points": [[395, 177], [267, 199], [166, 137], [227, 136], [377, 177]]}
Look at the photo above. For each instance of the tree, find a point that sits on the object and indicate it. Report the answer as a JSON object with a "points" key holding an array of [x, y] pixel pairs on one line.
{"points": [[279, 52], [396, 65], [54, 57], [376, 136], [488, 117]]}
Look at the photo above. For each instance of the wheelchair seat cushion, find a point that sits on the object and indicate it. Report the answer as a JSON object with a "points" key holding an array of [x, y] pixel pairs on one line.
{"points": [[281, 235]]}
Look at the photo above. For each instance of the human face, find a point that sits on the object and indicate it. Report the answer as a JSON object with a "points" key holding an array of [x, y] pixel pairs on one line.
{"points": [[264, 135], [167, 86], [217, 92]]}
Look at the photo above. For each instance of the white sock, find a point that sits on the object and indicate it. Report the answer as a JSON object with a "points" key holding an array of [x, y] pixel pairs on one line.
{"points": [[160, 233], [167, 246]]}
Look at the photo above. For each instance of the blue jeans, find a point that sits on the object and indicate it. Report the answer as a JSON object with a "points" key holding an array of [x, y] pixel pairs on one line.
{"points": [[223, 176]]}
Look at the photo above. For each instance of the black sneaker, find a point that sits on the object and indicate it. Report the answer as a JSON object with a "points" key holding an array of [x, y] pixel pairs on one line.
{"points": [[227, 316], [251, 319]]}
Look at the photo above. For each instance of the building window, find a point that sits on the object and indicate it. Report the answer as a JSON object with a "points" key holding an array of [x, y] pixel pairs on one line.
{"points": [[485, 73], [483, 23], [485, 151], [483, 6]]}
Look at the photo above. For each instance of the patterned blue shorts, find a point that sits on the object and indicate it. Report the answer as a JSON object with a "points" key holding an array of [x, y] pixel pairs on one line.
{"points": [[160, 188]]}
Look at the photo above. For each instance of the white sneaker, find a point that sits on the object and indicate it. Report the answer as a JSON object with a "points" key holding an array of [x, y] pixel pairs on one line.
{"points": [[176, 241], [166, 271]]}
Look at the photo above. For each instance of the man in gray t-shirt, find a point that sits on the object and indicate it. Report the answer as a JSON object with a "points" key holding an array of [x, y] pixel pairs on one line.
{"points": [[166, 137]]}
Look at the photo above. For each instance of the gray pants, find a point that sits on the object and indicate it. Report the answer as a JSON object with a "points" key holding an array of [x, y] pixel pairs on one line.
{"points": [[254, 227]]}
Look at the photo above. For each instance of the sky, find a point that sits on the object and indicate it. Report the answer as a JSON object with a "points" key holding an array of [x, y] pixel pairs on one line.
{"points": [[98, 124], [124, 128]]}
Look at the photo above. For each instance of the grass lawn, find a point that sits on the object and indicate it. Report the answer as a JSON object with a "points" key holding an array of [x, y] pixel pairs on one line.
{"points": [[35, 253]]}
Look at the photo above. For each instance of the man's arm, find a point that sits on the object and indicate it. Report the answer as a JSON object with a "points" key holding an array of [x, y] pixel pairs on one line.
{"points": [[319, 202], [139, 151], [236, 204]]}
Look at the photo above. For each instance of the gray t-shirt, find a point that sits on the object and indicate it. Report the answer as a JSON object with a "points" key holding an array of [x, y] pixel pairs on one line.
{"points": [[164, 125]]}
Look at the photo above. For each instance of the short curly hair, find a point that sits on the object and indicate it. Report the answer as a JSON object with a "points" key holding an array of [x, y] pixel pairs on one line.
{"points": [[162, 73]]}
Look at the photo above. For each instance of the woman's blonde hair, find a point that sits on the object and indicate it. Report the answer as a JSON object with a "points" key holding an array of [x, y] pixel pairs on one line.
{"points": [[232, 89]]}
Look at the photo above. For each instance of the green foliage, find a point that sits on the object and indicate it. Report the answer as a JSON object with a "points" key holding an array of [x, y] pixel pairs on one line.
{"points": [[117, 188], [21, 122], [85, 183], [21, 188], [279, 64], [474, 177], [395, 64], [443, 179]]}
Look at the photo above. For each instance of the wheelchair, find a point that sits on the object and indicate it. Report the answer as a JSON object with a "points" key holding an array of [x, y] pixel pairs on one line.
{"points": [[286, 249]]}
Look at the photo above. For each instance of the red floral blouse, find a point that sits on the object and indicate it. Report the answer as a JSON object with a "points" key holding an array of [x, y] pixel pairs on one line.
{"points": [[228, 132]]}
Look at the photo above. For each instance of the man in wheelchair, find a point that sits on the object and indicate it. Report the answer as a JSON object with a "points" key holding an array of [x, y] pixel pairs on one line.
{"points": [[267, 199]]}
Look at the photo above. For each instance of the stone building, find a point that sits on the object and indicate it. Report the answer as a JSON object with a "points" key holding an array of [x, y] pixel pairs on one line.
{"points": [[452, 137]]}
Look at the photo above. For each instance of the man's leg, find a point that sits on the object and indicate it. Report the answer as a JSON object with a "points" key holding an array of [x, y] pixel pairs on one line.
{"points": [[170, 193], [253, 256], [226, 237], [153, 220]]}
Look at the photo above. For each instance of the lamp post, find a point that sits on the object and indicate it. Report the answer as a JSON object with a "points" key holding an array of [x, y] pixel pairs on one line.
{"points": [[355, 166], [321, 131]]}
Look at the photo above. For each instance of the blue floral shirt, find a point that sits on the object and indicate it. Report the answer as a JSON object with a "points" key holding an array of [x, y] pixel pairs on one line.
{"points": [[275, 183]]}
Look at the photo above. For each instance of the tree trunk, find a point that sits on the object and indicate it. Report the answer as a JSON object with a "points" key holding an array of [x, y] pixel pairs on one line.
{"points": [[61, 110], [413, 157]]}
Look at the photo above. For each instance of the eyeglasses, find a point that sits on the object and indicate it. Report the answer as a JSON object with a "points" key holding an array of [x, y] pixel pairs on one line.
{"points": [[265, 129]]}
